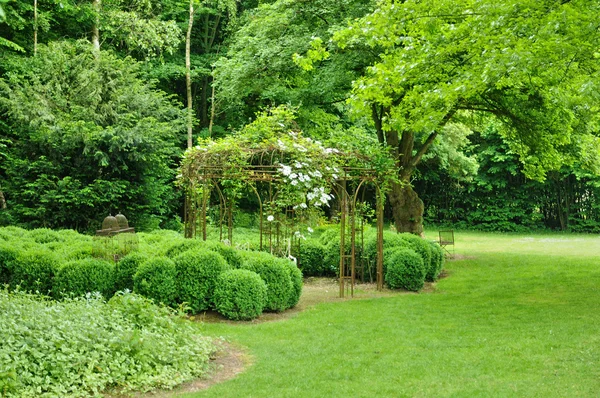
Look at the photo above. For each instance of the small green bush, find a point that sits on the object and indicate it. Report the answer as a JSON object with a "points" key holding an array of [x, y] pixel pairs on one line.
{"points": [[420, 245], [437, 262], [197, 273], [76, 278], [311, 256], [8, 254], [45, 235], [404, 269], [240, 294], [126, 268], [157, 279], [230, 255], [277, 277], [183, 245], [297, 283], [34, 270], [391, 240]]}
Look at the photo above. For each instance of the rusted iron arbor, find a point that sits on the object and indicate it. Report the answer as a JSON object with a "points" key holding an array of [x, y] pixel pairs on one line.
{"points": [[215, 175]]}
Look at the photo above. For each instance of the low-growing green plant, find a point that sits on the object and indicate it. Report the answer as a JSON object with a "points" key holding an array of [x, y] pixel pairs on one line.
{"points": [[197, 273], [76, 278], [183, 245], [277, 277], [419, 245], [404, 269], [240, 294], [437, 262], [82, 347], [34, 270], [126, 268], [297, 282], [45, 235], [8, 254], [230, 254], [311, 255], [391, 240], [157, 279]]}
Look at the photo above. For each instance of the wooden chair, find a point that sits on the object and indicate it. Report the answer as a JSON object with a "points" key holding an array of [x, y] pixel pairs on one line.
{"points": [[447, 239]]}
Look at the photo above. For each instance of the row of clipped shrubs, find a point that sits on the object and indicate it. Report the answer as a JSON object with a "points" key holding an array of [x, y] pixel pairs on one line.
{"points": [[167, 268], [409, 260]]}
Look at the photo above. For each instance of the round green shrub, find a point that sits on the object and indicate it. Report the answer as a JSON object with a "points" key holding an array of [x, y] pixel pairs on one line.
{"points": [[34, 270], [391, 240], [8, 254], [437, 262], [297, 282], [230, 255], [126, 268], [197, 273], [311, 257], [76, 278], [277, 277], [45, 235], [420, 245], [182, 246], [157, 279], [404, 269], [240, 294]]}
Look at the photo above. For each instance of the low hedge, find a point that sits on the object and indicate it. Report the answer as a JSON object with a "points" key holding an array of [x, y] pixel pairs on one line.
{"points": [[197, 273], [405, 269], [8, 254], [157, 279], [126, 268], [182, 246], [232, 256], [76, 278], [419, 245], [297, 283], [277, 277], [240, 294], [311, 256], [437, 262], [34, 270]]}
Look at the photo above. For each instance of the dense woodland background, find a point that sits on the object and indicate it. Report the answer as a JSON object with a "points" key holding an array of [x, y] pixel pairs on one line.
{"points": [[491, 109]]}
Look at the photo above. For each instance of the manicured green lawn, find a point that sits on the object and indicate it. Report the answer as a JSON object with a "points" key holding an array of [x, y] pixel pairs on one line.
{"points": [[518, 315]]}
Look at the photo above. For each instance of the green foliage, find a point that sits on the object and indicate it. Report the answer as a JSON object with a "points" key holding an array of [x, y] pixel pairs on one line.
{"points": [[34, 270], [404, 269], [103, 141], [8, 254], [45, 235], [311, 256], [126, 268], [391, 240], [232, 256], [420, 246], [240, 294], [297, 282], [76, 278], [183, 245], [84, 347], [276, 275], [157, 280], [437, 262], [197, 273]]}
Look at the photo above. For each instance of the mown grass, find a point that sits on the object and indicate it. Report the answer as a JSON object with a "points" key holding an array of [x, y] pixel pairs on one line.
{"points": [[517, 315]]}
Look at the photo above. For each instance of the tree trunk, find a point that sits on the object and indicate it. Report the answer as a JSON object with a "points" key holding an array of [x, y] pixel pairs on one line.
{"points": [[96, 29], [188, 77], [407, 208], [2, 201]]}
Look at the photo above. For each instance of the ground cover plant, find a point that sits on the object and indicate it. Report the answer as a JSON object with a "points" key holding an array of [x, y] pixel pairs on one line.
{"points": [[516, 315], [82, 347]]}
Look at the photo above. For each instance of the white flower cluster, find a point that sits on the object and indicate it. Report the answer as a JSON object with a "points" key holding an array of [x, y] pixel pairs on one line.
{"points": [[319, 197]]}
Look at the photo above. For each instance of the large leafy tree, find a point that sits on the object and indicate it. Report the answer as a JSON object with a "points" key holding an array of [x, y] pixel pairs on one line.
{"points": [[531, 64], [85, 136]]}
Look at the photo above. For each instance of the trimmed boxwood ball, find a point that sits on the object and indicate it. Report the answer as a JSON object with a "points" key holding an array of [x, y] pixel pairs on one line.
{"points": [[182, 246], [230, 255], [197, 273], [45, 235], [277, 277], [437, 262], [8, 254], [391, 240], [404, 270], [420, 245], [76, 278], [240, 294], [157, 279], [311, 255], [297, 283], [34, 270], [126, 268]]}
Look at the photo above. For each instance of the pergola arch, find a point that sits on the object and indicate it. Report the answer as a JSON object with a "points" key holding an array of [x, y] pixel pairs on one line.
{"points": [[288, 174]]}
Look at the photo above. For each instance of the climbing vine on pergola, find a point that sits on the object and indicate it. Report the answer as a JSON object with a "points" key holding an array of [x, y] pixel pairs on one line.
{"points": [[291, 176]]}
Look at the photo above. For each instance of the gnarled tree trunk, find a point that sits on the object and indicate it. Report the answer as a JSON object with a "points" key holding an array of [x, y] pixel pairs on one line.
{"points": [[407, 209]]}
